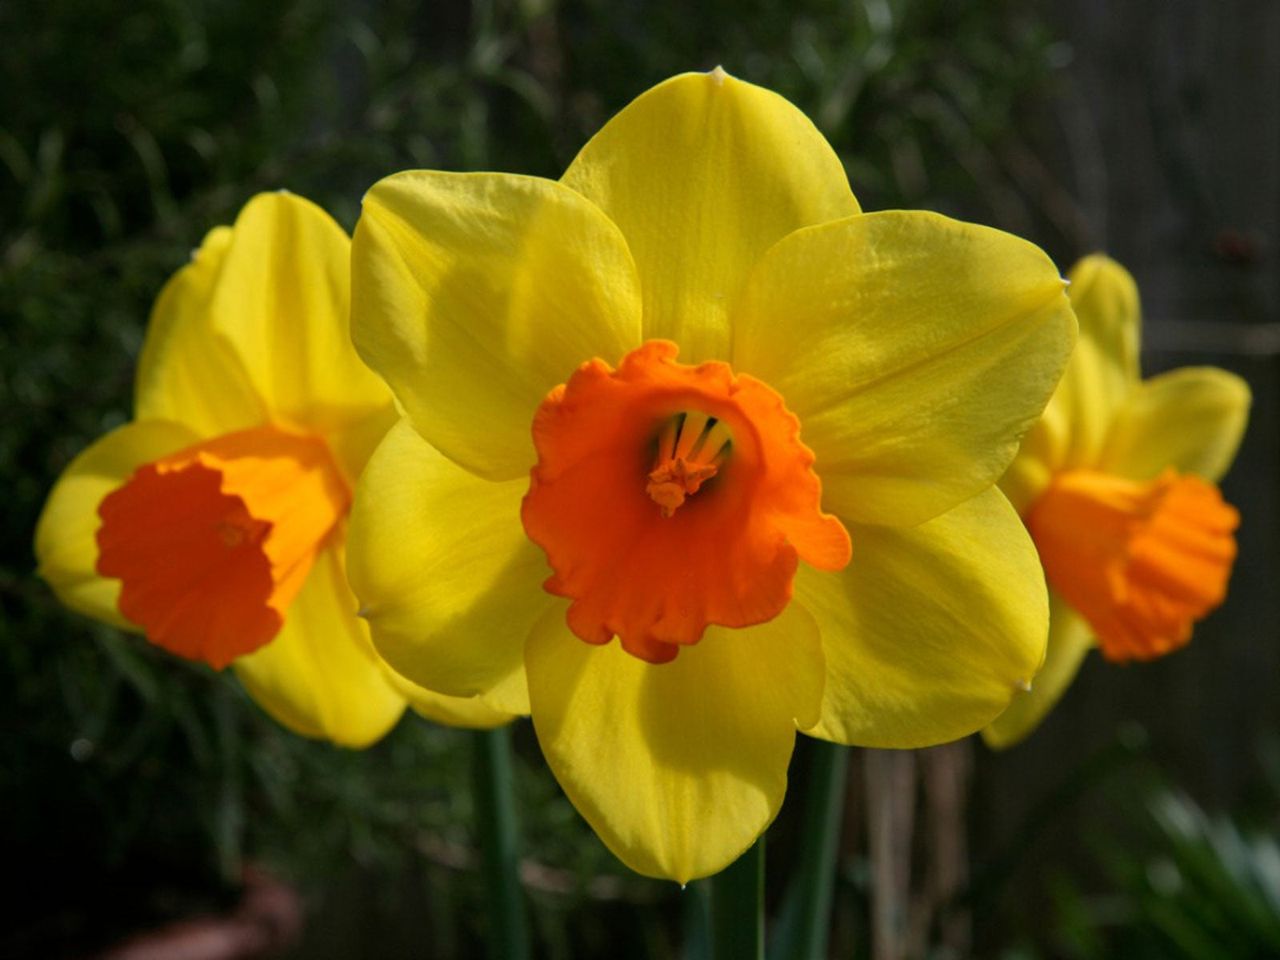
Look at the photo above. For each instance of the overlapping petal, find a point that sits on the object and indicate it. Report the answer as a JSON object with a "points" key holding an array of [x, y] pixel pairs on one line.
{"points": [[446, 578], [1070, 639], [677, 767], [282, 300], [1041, 455], [187, 371], [471, 712], [930, 630], [320, 676], [478, 293], [66, 549], [916, 350], [1191, 419], [702, 174]]}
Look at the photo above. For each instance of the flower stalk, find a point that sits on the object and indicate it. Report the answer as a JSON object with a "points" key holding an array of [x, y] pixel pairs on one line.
{"points": [[806, 913], [495, 820], [737, 907]]}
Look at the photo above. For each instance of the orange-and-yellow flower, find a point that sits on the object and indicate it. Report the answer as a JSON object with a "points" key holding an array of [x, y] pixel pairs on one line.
{"points": [[215, 521], [1116, 484], [753, 433]]}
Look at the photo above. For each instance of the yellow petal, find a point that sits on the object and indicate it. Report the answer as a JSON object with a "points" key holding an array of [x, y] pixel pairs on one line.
{"points": [[679, 766], [478, 293], [282, 301], [187, 372], [930, 630], [1105, 298], [320, 676], [703, 173], [66, 548], [1191, 419], [470, 712], [446, 578], [916, 350], [1069, 640], [1104, 366]]}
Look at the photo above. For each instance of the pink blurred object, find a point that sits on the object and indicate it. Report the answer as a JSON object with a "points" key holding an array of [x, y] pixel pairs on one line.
{"points": [[267, 920]]}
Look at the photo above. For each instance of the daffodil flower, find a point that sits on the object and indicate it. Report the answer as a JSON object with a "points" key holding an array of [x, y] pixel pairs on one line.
{"points": [[1116, 485], [753, 433], [214, 522]]}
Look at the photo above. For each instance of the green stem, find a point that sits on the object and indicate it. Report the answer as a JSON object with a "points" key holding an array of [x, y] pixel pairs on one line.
{"points": [[696, 900], [496, 830], [737, 908], [806, 914]]}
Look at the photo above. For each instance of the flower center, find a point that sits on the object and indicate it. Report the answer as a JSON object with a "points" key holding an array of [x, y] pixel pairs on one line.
{"points": [[1140, 561], [212, 543], [612, 444], [691, 447]]}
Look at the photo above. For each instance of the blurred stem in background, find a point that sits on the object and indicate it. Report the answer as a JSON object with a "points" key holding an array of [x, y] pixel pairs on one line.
{"points": [[946, 772], [737, 907], [917, 800], [891, 800], [497, 833]]}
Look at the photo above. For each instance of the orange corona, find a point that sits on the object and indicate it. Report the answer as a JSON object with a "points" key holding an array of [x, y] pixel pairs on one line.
{"points": [[212, 543], [670, 497], [1140, 561]]}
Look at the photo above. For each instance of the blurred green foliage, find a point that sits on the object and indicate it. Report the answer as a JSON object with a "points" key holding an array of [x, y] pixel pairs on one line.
{"points": [[1181, 885], [136, 787]]}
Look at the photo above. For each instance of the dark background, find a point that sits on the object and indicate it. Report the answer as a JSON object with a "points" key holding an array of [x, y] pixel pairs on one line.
{"points": [[134, 789]]}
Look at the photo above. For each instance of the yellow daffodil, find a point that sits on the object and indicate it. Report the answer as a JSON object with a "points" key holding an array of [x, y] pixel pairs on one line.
{"points": [[670, 377], [215, 521], [1116, 485]]}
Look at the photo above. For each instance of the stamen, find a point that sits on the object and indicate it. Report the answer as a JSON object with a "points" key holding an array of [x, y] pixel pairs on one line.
{"points": [[691, 448]]}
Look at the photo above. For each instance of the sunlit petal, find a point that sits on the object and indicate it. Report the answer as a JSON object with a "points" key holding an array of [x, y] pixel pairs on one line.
{"points": [[702, 174], [916, 351], [478, 293], [445, 576], [677, 767], [930, 630]]}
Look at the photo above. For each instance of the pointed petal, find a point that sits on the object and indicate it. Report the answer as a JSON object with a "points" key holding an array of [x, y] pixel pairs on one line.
{"points": [[1104, 296], [916, 350], [1191, 419], [319, 676], [282, 301], [679, 766], [187, 372], [478, 293], [930, 630], [66, 548], [1069, 640], [702, 174], [1104, 366], [446, 578]]}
